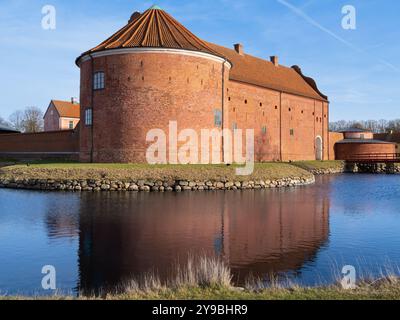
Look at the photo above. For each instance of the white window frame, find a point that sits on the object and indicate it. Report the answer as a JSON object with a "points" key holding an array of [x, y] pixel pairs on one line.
{"points": [[99, 80], [88, 116]]}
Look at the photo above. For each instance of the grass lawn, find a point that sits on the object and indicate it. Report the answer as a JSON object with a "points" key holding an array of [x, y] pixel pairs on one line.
{"points": [[386, 291], [318, 165], [71, 170]]}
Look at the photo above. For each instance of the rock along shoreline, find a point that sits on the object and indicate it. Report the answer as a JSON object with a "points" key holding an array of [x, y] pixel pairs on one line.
{"points": [[90, 185]]}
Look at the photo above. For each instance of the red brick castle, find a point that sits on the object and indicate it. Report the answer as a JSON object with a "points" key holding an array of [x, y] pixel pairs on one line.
{"points": [[154, 71]]}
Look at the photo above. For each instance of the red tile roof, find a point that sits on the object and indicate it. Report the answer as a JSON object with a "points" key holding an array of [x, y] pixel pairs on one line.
{"points": [[67, 109], [256, 71], [156, 28]]}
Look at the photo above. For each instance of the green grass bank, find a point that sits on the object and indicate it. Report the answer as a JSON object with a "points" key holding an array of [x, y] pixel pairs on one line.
{"points": [[70, 170]]}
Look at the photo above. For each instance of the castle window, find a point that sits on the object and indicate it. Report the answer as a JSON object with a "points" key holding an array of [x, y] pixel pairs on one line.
{"points": [[217, 118], [264, 130], [245, 101], [276, 107], [229, 99], [261, 104], [290, 109], [291, 132], [71, 125], [98, 81], [88, 117]]}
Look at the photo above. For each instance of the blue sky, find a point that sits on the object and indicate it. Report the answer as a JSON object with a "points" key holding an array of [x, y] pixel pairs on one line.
{"points": [[358, 69]]}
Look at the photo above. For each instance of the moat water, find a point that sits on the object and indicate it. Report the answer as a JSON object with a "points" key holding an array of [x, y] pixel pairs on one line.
{"points": [[306, 234]]}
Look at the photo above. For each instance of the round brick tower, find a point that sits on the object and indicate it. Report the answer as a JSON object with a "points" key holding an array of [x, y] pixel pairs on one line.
{"points": [[149, 73]]}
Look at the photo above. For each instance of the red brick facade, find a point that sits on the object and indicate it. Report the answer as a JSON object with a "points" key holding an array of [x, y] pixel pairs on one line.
{"points": [[63, 144], [344, 151]]}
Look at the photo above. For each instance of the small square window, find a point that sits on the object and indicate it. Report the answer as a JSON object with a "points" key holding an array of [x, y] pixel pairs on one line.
{"points": [[88, 117], [98, 81], [264, 130]]}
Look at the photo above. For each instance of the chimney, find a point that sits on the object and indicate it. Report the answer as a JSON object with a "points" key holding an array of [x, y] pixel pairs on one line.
{"points": [[239, 49], [74, 100], [134, 16], [275, 60]]}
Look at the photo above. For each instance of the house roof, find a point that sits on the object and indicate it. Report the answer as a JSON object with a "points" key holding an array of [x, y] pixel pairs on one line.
{"points": [[155, 28], [67, 109], [257, 71]]}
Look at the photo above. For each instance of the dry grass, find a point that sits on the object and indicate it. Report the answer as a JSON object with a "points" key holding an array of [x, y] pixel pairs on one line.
{"points": [[318, 165], [201, 272], [210, 279], [60, 171]]}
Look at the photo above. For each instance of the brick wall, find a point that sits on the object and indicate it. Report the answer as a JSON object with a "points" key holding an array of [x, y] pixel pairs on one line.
{"points": [[344, 150], [40, 145], [143, 92], [333, 138]]}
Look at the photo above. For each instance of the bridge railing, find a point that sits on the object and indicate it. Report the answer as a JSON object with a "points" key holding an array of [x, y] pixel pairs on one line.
{"points": [[374, 157]]}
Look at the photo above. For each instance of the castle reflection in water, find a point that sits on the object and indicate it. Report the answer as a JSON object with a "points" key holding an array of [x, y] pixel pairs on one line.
{"points": [[260, 232]]}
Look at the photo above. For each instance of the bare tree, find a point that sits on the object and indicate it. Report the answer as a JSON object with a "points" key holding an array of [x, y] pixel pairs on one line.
{"points": [[33, 120], [29, 120], [380, 126], [17, 120]]}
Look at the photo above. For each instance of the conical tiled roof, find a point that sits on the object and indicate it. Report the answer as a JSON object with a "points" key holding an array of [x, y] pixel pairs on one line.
{"points": [[154, 28]]}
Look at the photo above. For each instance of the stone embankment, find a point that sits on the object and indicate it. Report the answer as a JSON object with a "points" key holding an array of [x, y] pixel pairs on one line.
{"points": [[322, 171], [382, 168], [148, 185]]}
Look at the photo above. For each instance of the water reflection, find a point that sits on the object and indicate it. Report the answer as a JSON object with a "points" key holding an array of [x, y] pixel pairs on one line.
{"points": [[255, 232], [95, 240]]}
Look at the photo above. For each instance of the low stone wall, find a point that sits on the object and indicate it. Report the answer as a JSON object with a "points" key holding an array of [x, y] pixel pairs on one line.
{"points": [[148, 186], [390, 168], [328, 171]]}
